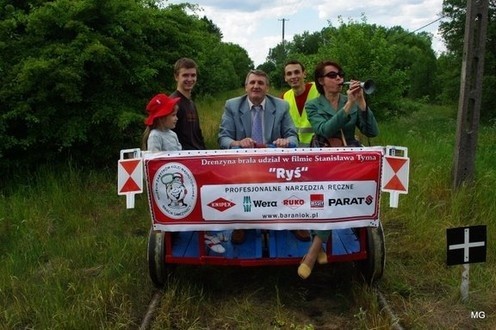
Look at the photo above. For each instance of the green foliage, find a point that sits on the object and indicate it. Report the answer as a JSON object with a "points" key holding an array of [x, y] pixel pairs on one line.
{"points": [[449, 78], [307, 43], [75, 75], [400, 63], [414, 56], [364, 53]]}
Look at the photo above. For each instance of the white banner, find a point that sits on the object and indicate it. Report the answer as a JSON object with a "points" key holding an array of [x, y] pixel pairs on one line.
{"points": [[337, 200]]}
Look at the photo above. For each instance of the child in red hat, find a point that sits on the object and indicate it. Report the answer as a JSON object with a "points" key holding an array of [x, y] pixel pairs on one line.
{"points": [[162, 118], [159, 136]]}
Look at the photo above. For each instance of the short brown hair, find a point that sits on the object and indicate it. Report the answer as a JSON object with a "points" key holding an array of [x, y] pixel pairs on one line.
{"points": [[184, 63], [294, 62]]}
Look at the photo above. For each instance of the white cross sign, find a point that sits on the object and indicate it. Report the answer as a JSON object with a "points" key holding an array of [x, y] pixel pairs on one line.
{"points": [[466, 245]]}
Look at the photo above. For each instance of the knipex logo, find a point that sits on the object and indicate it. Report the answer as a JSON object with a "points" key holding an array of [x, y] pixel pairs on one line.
{"points": [[221, 204]]}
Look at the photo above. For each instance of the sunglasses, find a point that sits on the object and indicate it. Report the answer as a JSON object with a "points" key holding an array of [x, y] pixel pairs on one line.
{"points": [[334, 74]]}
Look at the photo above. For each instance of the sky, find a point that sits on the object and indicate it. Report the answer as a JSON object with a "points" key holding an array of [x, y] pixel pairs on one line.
{"points": [[257, 25]]}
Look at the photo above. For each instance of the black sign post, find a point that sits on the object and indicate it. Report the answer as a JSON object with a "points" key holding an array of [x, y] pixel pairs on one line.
{"points": [[466, 245]]}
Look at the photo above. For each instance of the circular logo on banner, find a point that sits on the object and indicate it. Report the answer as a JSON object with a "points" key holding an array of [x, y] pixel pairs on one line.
{"points": [[174, 190]]}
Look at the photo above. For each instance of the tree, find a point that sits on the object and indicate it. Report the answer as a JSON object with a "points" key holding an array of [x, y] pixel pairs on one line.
{"points": [[307, 43], [76, 74], [365, 52], [414, 55], [212, 28], [401, 63]]}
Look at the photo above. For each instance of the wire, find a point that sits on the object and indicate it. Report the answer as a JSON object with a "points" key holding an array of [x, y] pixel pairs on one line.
{"points": [[422, 27]]}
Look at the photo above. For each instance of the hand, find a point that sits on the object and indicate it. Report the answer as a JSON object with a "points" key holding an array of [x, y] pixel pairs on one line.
{"points": [[281, 143], [356, 95], [245, 143]]}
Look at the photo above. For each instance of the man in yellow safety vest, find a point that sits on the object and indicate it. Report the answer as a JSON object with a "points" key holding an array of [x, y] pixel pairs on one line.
{"points": [[300, 92]]}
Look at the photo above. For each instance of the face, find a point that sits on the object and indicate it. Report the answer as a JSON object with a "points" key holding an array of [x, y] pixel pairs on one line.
{"points": [[332, 79], [256, 87], [294, 75], [168, 121], [186, 79]]}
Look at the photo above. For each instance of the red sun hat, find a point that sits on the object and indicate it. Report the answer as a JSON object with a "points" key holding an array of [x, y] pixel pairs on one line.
{"points": [[159, 106]]}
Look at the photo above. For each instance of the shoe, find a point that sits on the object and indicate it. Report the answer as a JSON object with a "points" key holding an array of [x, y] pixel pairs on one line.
{"points": [[238, 236], [322, 257], [213, 244], [303, 270], [302, 235]]}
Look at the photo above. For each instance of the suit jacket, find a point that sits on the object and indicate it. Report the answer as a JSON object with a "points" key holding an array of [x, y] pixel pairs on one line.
{"points": [[236, 121], [327, 121]]}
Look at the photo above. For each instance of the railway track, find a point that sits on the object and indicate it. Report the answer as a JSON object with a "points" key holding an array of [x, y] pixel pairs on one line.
{"points": [[150, 311], [383, 304], [386, 309]]}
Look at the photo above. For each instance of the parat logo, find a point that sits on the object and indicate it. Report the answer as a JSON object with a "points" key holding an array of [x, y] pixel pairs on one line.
{"points": [[221, 204], [348, 201]]}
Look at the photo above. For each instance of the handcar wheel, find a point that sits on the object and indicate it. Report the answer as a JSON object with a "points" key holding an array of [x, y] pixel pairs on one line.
{"points": [[372, 268], [156, 258]]}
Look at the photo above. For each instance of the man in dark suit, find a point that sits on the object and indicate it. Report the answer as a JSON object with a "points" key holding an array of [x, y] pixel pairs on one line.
{"points": [[236, 124], [237, 127]]}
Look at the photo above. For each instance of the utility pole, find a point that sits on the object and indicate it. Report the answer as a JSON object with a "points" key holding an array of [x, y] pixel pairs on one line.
{"points": [[470, 91], [283, 54], [283, 24]]}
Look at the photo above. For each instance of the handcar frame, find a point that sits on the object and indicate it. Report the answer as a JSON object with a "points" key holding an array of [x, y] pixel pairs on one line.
{"points": [[266, 192]]}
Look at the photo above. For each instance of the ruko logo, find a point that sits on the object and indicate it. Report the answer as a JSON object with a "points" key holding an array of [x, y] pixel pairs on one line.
{"points": [[293, 202]]}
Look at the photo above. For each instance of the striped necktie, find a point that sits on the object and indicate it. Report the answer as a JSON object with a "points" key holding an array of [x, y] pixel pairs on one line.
{"points": [[256, 128]]}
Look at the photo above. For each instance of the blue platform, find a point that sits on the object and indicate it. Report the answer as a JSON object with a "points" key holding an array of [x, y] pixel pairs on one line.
{"points": [[261, 244]]}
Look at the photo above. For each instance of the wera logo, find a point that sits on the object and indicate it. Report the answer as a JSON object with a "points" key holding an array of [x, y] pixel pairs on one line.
{"points": [[477, 315], [247, 203]]}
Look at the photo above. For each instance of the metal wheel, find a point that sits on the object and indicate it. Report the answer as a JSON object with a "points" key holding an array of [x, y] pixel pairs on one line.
{"points": [[157, 268], [372, 268]]}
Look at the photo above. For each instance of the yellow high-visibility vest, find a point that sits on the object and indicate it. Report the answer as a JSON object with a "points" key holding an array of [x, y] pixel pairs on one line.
{"points": [[303, 127]]}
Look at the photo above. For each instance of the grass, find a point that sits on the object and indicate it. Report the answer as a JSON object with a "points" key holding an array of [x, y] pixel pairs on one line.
{"points": [[210, 111], [70, 253], [425, 290], [72, 256]]}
